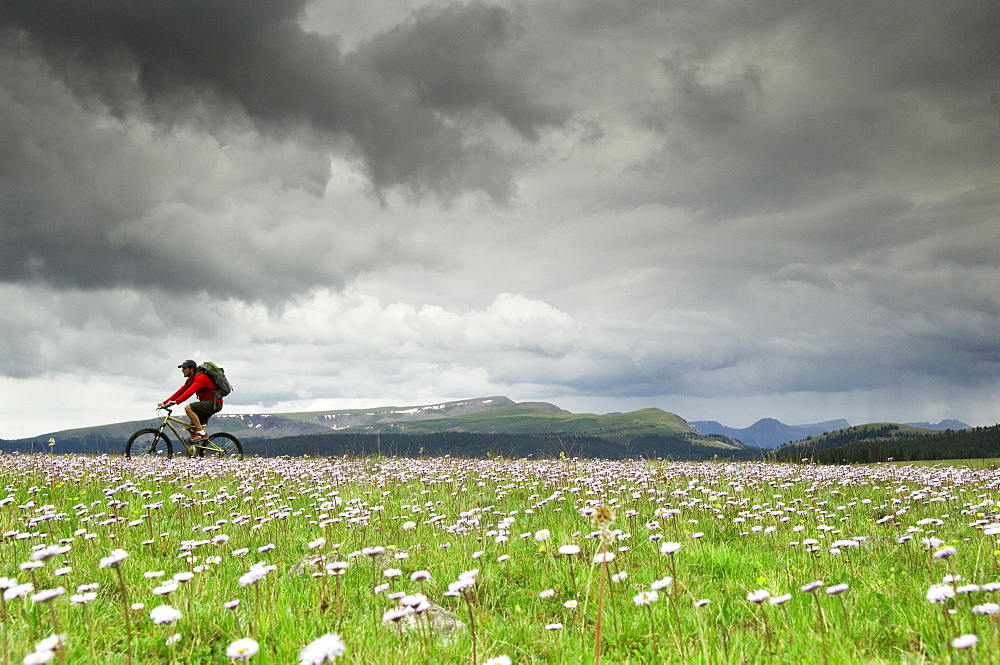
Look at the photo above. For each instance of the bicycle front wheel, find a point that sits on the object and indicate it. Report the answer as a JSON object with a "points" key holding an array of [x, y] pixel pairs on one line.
{"points": [[222, 444], [148, 442]]}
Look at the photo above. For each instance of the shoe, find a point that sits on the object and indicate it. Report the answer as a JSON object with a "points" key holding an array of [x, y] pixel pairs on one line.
{"points": [[198, 436]]}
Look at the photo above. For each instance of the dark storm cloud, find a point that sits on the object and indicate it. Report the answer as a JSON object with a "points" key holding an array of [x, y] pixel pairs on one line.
{"points": [[782, 102], [256, 57], [450, 60], [86, 202]]}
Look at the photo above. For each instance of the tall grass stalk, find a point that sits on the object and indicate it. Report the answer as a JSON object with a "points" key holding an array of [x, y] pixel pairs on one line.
{"points": [[602, 558], [472, 624], [602, 517], [114, 561], [7, 583], [669, 550], [820, 618]]}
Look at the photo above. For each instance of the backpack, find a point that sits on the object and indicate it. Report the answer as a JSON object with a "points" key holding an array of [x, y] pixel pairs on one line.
{"points": [[218, 377]]}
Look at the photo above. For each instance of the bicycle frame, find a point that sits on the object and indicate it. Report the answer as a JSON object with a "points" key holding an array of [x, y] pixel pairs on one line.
{"points": [[169, 421], [219, 444]]}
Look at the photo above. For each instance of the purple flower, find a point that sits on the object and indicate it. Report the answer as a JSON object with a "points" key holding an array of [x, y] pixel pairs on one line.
{"points": [[939, 593], [164, 614], [47, 594], [645, 597], [327, 647], [498, 660], [243, 649], [964, 641], [113, 559], [661, 584]]}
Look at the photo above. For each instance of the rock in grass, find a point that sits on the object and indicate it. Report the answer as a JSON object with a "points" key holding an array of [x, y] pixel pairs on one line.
{"points": [[440, 621]]}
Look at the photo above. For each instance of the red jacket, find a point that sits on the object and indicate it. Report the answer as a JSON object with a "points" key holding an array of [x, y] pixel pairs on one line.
{"points": [[200, 384]]}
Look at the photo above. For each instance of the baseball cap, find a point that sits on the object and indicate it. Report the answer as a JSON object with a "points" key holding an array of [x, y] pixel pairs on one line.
{"points": [[187, 363]]}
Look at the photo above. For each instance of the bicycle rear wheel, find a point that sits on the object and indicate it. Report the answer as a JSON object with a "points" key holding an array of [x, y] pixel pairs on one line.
{"points": [[222, 444], [148, 442]]}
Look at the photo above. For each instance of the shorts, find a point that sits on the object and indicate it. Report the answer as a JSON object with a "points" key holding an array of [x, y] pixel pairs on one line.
{"points": [[205, 409]]}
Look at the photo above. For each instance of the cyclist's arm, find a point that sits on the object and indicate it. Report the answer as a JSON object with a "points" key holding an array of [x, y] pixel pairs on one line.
{"points": [[196, 383], [182, 393]]}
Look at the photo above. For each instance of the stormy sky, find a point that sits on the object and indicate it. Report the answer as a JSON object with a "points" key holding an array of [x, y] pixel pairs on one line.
{"points": [[728, 210]]}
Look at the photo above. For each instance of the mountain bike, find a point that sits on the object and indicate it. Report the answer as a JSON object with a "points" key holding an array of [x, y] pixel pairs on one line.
{"points": [[156, 441]]}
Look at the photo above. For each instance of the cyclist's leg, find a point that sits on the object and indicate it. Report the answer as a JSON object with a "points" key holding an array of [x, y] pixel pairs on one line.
{"points": [[213, 406], [199, 413], [192, 415]]}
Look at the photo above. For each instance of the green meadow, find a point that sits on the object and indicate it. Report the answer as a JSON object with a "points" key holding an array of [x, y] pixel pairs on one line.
{"points": [[972, 463], [447, 560]]}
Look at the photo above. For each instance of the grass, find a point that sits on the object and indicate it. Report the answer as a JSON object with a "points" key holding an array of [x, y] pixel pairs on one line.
{"points": [[265, 532]]}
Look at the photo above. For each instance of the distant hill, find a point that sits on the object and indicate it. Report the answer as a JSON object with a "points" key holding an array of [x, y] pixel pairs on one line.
{"points": [[860, 433], [880, 442], [943, 425], [487, 416], [543, 418], [390, 415], [768, 432]]}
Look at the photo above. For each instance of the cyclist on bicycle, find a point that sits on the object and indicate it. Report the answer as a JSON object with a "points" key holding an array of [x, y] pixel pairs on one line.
{"points": [[209, 403]]}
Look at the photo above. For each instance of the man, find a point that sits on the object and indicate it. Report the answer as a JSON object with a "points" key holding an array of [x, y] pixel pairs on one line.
{"points": [[197, 383]]}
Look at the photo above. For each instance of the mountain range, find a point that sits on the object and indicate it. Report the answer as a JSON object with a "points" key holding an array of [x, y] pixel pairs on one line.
{"points": [[768, 432], [496, 415], [771, 433]]}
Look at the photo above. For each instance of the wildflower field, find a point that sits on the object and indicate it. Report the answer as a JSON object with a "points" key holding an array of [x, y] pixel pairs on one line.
{"points": [[385, 560]]}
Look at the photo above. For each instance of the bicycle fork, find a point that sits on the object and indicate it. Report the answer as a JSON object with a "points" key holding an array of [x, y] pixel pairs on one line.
{"points": [[152, 444]]}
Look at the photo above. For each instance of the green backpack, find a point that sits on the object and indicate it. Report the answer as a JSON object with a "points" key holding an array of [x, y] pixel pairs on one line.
{"points": [[218, 377]]}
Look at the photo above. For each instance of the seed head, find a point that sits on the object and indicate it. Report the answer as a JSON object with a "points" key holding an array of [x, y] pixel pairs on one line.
{"points": [[603, 517]]}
